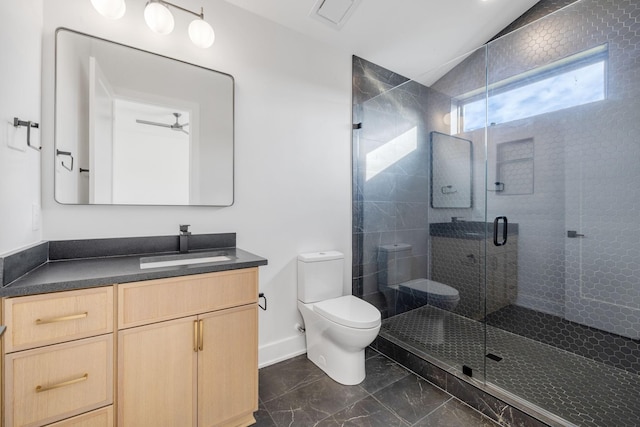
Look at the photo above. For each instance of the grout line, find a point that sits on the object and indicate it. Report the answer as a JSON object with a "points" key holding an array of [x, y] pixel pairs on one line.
{"points": [[429, 414]]}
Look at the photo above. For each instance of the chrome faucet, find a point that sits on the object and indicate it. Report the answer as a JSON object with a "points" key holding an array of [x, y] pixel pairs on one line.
{"points": [[184, 238]]}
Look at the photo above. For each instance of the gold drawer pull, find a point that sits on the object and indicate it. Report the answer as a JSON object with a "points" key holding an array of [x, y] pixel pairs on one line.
{"points": [[62, 319], [200, 340], [66, 383]]}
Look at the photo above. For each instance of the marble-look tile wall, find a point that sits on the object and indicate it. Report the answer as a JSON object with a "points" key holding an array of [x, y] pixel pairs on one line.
{"points": [[391, 175]]}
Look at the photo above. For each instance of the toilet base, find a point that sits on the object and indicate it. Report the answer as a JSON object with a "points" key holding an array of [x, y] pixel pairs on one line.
{"points": [[346, 369], [336, 349]]}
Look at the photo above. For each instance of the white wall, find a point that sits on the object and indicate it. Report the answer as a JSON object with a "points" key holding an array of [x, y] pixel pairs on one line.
{"points": [[20, 61], [293, 131]]}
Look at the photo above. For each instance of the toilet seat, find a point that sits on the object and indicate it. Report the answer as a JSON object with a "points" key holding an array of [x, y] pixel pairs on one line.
{"points": [[433, 288], [349, 311]]}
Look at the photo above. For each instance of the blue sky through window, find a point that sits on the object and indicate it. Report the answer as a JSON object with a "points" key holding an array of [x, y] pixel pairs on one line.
{"points": [[567, 89]]}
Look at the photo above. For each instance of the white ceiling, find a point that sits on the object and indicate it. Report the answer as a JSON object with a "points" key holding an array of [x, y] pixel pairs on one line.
{"points": [[409, 37]]}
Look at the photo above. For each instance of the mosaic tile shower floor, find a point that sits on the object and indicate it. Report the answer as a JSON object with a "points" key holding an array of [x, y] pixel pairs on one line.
{"points": [[578, 389]]}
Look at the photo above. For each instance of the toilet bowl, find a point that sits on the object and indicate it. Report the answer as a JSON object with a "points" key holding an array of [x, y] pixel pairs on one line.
{"points": [[337, 327], [394, 275], [403, 293], [430, 292]]}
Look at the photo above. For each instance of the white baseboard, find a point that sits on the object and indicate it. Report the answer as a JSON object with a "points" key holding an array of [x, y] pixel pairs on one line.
{"points": [[278, 351]]}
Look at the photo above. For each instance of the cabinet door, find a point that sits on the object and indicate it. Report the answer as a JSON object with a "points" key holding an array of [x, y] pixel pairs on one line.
{"points": [[228, 367], [157, 374]]}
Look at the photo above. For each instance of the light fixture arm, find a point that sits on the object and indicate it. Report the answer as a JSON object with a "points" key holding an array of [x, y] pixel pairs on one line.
{"points": [[166, 3]]}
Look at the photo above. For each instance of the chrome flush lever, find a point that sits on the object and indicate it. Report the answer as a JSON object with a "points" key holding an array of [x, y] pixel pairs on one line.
{"points": [[572, 234]]}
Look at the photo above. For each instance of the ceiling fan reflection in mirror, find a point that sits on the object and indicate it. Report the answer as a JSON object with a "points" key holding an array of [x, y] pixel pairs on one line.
{"points": [[174, 126]]}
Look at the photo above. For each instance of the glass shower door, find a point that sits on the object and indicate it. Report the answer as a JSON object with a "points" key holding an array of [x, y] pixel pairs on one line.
{"points": [[563, 303]]}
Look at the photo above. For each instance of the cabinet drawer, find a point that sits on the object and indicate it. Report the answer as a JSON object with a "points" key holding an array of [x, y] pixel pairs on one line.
{"points": [[56, 382], [38, 320], [98, 418], [152, 301]]}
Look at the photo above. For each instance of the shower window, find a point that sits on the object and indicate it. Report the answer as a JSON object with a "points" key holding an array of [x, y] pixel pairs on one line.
{"points": [[575, 80]]}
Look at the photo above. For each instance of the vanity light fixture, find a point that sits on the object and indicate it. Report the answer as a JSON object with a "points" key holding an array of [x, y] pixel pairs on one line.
{"points": [[112, 9], [159, 19]]}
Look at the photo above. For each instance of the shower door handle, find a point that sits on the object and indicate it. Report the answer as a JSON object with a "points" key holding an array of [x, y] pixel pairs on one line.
{"points": [[505, 228]]}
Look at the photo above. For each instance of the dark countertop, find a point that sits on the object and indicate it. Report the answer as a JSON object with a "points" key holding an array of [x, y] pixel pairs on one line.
{"points": [[468, 230], [71, 274]]}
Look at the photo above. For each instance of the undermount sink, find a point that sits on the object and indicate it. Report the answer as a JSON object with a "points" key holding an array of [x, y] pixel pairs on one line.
{"points": [[183, 259]]}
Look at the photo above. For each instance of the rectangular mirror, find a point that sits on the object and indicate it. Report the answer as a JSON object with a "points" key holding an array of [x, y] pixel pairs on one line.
{"points": [[451, 171], [136, 128]]}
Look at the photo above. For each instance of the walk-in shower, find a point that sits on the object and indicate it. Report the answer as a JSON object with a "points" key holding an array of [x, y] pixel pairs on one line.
{"points": [[511, 177]]}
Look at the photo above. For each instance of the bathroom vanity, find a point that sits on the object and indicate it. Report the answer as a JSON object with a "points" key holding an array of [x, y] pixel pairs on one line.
{"points": [[158, 346], [458, 250]]}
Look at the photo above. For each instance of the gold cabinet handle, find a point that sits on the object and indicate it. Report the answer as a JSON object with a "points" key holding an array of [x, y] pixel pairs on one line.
{"points": [[62, 384], [201, 337], [62, 319], [195, 336]]}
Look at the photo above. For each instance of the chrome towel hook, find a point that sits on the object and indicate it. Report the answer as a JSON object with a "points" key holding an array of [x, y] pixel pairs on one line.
{"points": [[29, 124], [65, 153]]}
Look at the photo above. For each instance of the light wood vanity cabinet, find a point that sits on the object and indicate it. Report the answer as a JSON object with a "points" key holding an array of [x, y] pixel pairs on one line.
{"points": [[58, 356], [187, 354], [187, 350]]}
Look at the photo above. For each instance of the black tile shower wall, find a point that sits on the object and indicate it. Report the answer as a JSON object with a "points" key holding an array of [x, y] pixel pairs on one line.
{"points": [[390, 198], [539, 10], [17, 264], [370, 80], [92, 248]]}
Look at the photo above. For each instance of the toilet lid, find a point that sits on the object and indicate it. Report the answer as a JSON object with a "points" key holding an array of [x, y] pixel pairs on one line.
{"points": [[432, 287], [349, 311]]}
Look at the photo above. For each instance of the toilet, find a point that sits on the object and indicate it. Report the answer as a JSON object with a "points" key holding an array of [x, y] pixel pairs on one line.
{"points": [[403, 293], [338, 327], [394, 273]]}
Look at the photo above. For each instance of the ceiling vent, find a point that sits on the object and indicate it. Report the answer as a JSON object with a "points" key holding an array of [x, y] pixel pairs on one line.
{"points": [[334, 13]]}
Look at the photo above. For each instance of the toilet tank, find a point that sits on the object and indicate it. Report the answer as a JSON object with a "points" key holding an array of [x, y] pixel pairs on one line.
{"points": [[394, 264], [320, 276]]}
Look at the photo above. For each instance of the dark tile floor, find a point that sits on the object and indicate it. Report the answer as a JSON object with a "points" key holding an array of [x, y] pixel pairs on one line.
{"points": [[297, 393], [581, 390]]}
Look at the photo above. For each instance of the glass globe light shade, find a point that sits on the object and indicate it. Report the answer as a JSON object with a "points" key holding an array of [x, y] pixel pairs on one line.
{"points": [[201, 33], [112, 9], [159, 18]]}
